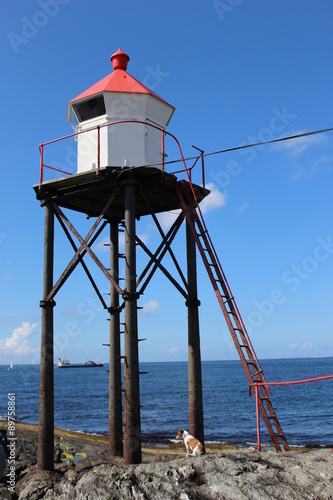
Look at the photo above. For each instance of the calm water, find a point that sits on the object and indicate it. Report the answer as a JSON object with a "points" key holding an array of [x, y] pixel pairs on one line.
{"points": [[305, 411]]}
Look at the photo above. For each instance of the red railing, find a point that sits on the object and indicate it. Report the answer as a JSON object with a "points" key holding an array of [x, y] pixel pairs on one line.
{"points": [[109, 124], [256, 386]]}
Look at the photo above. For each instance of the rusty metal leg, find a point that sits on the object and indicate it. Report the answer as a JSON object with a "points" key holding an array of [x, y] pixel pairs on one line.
{"points": [[132, 430], [115, 395], [45, 453], [196, 425]]}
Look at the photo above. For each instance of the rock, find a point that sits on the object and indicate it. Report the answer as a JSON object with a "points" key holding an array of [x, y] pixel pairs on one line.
{"points": [[71, 475], [233, 475], [35, 484], [2, 462], [224, 472]]}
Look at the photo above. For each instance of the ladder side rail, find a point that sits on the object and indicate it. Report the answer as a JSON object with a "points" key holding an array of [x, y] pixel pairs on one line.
{"points": [[233, 315], [221, 280], [219, 297], [225, 281], [234, 307], [266, 400], [257, 370], [193, 217]]}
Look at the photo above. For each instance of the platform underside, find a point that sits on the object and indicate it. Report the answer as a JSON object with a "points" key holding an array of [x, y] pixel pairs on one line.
{"points": [[88, 192]]}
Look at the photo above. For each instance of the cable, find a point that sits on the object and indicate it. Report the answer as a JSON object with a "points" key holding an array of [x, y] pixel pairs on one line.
{"points": [[245, 146]]}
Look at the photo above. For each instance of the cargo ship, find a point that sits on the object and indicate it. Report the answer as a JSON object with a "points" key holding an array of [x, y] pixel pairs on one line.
{"points": [[65, 363]]}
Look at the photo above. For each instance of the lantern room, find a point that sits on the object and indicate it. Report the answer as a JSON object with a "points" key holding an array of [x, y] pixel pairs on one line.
{"points": [[119, 121]]}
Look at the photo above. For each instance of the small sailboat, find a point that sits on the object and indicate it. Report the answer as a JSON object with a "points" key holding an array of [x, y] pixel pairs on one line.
{"points": [[11, 366]]}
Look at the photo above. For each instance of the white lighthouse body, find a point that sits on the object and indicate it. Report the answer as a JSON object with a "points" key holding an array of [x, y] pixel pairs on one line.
{"points": [[119, 98]]}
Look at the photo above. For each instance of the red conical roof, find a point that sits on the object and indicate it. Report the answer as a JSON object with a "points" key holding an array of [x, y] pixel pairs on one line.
{"points": [[117, 81]]}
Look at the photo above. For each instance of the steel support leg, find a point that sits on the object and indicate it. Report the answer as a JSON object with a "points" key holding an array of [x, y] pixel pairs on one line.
{"points": [[132, 428], [45, 452], [196, 425], [115, 395]]}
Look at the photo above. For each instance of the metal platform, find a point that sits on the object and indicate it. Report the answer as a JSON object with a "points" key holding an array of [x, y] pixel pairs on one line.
{"points": [[88, 192]]}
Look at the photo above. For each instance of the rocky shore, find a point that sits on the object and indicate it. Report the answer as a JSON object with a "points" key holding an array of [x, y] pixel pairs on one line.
{"points": [[225, 472]]}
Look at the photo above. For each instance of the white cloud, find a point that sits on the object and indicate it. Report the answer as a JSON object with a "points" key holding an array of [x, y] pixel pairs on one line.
{"points": [[150, 307], [314, 166], [175, 350], [296, 147], [306, 154], [18, 343], [307, 346], [166, 219], [214, 200], [243, 207]]}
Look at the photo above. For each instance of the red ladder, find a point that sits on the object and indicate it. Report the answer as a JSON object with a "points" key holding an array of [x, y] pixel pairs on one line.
{"points": [[230, 310]]}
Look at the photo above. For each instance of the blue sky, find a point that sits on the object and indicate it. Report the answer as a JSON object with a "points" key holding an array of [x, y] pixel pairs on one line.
{"points": [[237, 72]]}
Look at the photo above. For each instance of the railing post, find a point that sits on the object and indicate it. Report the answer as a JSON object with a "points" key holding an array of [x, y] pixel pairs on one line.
{"points": [[98, 148], [41, 173], [202, 165], [163, 149], [203, 169], [258, 416]]}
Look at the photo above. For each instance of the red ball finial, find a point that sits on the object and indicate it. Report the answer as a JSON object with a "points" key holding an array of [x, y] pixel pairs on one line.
{"points": [[119, 60]]}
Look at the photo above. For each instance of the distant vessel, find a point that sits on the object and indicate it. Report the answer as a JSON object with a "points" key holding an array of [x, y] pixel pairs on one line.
{"points": [[65, 363], [11, 366]]}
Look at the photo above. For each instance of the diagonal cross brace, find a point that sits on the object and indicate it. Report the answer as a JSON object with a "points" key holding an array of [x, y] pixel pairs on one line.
{"points": [[159, 254], [162, 268], [165, 240], [83, 248], [80, 257]]}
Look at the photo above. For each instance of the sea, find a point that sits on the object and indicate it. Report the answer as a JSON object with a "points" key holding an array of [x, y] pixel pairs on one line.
{"points": [[305, 411]]}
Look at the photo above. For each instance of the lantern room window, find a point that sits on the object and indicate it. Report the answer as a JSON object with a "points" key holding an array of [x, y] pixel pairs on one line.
{"points": [[89, 109]]}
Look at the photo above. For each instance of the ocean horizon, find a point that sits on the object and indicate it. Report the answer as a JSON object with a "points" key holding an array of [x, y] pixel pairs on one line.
{"points": [[305, 411]]}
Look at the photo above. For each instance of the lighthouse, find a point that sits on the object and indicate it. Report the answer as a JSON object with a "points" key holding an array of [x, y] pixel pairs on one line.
{"points": [[119, 126], [114, 109]]}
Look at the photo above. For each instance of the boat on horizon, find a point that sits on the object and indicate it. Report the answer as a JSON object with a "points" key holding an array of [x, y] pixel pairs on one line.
{"points": [[65, 363], [11, 366]]}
